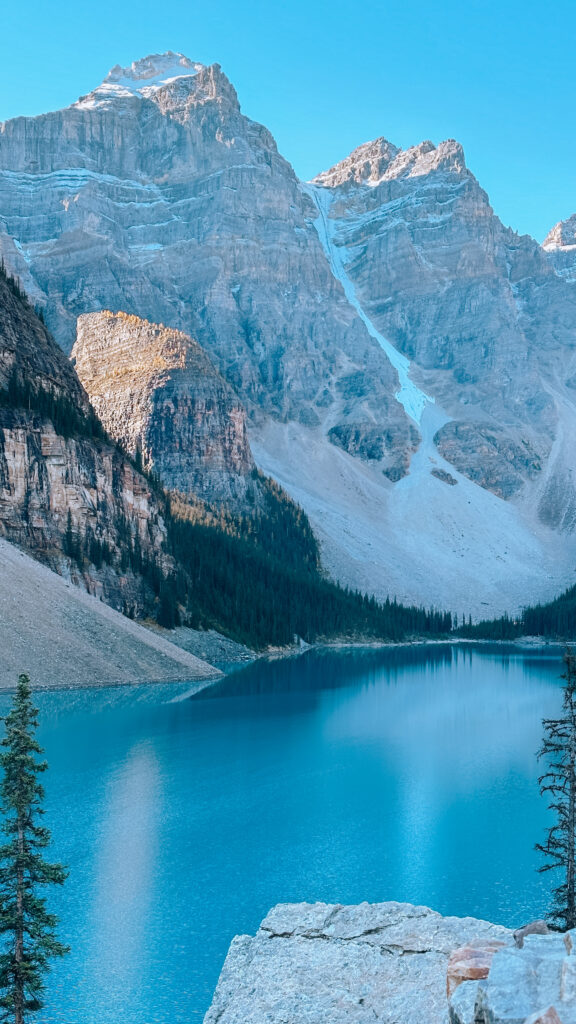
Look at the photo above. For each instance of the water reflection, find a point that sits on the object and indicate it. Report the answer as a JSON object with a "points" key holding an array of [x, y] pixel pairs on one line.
{"points": [[124, 867]]}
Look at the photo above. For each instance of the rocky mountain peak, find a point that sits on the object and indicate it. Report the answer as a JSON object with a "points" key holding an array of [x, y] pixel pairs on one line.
{"points": [[144, 78], [365, 165], [153, 70], [562, 235], [379, 161], [426, 158]]}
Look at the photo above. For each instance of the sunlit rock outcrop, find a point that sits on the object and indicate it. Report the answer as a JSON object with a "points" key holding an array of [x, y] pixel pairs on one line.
{"points": [[157, 393]]}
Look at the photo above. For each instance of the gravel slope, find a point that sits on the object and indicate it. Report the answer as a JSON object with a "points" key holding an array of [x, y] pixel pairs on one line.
{"points": [[63, 637]]}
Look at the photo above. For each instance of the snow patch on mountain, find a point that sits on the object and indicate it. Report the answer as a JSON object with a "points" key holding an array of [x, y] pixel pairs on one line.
{"points": [[375, 162], [142, 77], [560, 248], [562, 235], [411, 397]]}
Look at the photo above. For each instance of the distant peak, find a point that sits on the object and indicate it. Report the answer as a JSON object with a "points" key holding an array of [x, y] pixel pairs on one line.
{"points": [[153, 71], [378, 161], [143, 77], [365, 165], [562, 235]]}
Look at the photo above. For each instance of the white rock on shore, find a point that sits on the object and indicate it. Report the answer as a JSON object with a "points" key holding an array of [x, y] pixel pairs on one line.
{"points": [[330, 964]]}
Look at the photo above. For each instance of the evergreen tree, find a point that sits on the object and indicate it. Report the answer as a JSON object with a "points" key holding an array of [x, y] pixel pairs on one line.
{"points": [[559, 747], [26, 927]]}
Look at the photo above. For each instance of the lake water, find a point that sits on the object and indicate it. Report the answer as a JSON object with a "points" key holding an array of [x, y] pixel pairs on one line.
{"points": [[401, 774]]}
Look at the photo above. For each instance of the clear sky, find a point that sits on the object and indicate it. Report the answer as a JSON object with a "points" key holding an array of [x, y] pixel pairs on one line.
{"points": [[326, 76]]}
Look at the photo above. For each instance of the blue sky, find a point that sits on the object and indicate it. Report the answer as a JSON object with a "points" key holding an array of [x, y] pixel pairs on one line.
{"points": [[325, 77]]}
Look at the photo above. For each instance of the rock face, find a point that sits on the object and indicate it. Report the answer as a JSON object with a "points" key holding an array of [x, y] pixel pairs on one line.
{"points": [[470, 963], [155, 195], [395, 963], [536, 983], [489, 326], [322, 964], [560, 248], [156, 391], [53, 479]]}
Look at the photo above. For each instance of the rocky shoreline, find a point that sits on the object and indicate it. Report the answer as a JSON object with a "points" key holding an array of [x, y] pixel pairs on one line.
{"points": [[396, 963]]}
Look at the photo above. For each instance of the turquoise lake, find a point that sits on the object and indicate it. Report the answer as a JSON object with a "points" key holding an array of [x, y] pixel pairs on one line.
{"points": [[399, 774]]}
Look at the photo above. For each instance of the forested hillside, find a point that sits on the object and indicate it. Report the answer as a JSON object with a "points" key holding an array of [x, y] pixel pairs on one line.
{"points": [[78, 502], [556, 619]]}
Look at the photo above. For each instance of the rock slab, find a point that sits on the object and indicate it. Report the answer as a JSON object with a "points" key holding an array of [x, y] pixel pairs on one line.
{"points": [[331, 964]]}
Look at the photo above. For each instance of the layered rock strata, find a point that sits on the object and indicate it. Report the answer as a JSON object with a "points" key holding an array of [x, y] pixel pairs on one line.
{"points": [[488, 324], [158, 393], [154, 194]]}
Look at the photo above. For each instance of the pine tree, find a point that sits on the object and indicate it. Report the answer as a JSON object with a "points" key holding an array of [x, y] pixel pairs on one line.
{"points": [[559, 747], [26, 927]]}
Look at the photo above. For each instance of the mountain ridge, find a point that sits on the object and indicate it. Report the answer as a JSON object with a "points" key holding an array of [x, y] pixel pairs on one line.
{"points": [[329, 308]]}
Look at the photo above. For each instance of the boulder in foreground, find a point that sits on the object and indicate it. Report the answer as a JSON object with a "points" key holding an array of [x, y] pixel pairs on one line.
{"points": [[330, 964]]}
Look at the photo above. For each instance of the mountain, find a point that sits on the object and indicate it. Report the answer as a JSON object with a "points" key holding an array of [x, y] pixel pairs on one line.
{"points": [[158, 394], [154, 195], [74, 499], [487, 324], [560, 248], [406, 362]]}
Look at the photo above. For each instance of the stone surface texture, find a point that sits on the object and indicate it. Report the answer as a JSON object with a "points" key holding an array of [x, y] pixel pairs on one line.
{"points": [[470, 963], [528, 983], [155, 390], [396, 963], [323, 964]]}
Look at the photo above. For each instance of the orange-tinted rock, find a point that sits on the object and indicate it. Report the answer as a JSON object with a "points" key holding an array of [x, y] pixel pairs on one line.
{"points": [[470, 963]]}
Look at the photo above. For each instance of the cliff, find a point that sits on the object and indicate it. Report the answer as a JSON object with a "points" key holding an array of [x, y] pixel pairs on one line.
{"points": [[67, 494], [488, 325], [157, 393]]}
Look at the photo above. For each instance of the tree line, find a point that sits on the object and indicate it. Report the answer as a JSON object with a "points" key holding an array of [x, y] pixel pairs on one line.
{"points": [[555, 619], [67, 418]]}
